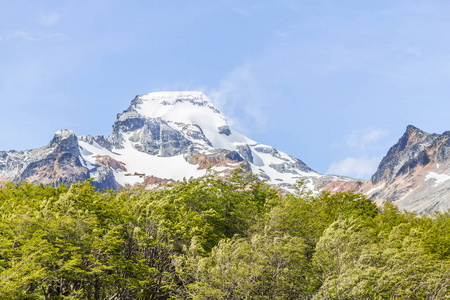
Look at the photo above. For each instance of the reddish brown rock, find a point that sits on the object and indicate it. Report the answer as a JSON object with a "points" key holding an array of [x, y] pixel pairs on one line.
{"points": [[336, 185], [208, 161], [152, 180], [408, 174], [110, 162], [56, 173], [343, 186]]}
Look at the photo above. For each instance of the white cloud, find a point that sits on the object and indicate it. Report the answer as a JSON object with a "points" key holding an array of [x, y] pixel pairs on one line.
{"points": [[355, 167], [230, 84], [20, 35], [241, 98], [362, 138], [46, 19], [49, 19]]}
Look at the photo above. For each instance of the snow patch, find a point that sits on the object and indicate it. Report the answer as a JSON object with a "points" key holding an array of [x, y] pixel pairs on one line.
{"points": [[142, 164], [190, 113], [374, 189], [406, 195], [440, 178]]}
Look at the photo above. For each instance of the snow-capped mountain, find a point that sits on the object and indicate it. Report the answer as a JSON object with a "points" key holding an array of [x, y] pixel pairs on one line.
{"points": [[162, 137], [167, 136]]}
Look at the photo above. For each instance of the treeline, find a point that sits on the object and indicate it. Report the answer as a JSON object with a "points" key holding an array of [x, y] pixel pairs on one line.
{"points": [[215, 238]]}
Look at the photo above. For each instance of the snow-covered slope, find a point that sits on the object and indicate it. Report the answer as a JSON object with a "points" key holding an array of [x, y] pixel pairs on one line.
{"points": [[164, 136], [182, 134], [167, 136]]}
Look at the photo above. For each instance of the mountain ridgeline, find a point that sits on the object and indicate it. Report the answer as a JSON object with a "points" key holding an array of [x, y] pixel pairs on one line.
{"points": [[165, 137], [415, 173], [161, 136]]}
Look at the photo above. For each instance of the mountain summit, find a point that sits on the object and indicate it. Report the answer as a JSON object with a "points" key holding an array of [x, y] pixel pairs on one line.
{"points": [[168, 136], [415, 173], [161, 137]]}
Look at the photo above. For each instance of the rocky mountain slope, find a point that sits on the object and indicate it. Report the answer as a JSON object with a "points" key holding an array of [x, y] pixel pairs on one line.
{"points": [[162, 137], [415, 173], [167, 136]]}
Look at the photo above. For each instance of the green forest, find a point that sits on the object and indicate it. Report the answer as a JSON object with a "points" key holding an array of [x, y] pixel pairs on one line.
{"points": [[215, 237]]}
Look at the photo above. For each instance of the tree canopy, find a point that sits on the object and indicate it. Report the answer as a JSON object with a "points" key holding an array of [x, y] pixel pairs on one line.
{"points": [[215, 237]]}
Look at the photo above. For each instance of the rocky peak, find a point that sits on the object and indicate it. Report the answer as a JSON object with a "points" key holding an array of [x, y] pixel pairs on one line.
{"points": [[65, 141], [55, 163], [167, 123], [99, 140], [412, 135], [167, 105], [411, 129], [165, 135], [64, 134], [186, 107], [415, 172], [409, 149]]}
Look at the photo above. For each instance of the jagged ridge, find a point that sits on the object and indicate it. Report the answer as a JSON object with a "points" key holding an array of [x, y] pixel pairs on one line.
{"points": [[415, 173], [161, 137]]}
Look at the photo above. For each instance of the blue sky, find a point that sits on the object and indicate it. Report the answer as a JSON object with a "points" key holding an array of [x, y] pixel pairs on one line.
{"points": [[334, 83]]}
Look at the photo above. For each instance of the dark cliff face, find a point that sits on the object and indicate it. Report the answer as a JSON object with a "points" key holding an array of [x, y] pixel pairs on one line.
{"points": [[408, 173], [164, 135], [58, 163], [405, 156], [153, 136], [289, 165]]}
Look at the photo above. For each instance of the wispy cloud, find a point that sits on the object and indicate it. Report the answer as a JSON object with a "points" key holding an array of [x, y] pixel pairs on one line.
{"points": [[365, 158], [360, 167], [49, 19], [20, 35], [46, 19], [31, 37], [242, 99], [362, 138]]}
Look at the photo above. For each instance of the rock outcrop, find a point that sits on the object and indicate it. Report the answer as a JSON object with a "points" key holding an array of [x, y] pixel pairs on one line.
{"points": [[160, 138], [58, 162], [415, 173], [336, 184]]}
